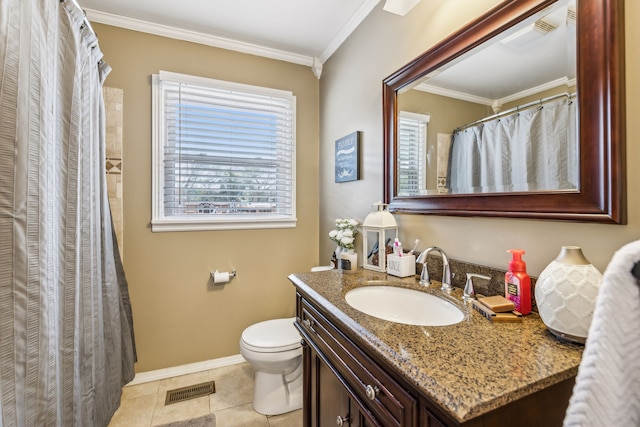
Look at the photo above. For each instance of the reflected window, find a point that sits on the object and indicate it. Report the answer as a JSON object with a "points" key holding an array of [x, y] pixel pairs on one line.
{"points": [[412, 142]]}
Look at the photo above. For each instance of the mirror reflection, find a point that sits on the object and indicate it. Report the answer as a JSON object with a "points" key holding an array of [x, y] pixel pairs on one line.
{"points": [[501, 118]]}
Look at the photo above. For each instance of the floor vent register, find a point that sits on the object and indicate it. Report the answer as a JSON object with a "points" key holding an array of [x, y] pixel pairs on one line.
{"points": [[190, 392]]}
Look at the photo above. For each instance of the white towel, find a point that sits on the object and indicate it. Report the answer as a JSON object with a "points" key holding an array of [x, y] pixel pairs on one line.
{"points": [[607, 389]]}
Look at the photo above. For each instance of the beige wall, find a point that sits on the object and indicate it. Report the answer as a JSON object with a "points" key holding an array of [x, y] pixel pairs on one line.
{"points": [[350, 92], [179, 316]]}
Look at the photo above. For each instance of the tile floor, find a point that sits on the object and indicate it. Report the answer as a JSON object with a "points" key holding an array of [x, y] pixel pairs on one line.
{"points": [[143, 404]]}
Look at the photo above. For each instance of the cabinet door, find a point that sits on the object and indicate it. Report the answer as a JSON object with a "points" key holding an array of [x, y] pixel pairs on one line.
{"points": [[328, 399], [335, 402], [428, 420], [361, 417], [325, 398], [331, 397]]}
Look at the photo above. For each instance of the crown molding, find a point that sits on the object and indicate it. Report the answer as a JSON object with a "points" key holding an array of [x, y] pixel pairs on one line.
{"points": [[424, 87], [197, 37], [348, 28], [563, 81], [225, 43]]}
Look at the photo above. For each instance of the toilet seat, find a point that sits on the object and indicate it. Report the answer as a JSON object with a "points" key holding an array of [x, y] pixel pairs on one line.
{"points": [[271, 336]]}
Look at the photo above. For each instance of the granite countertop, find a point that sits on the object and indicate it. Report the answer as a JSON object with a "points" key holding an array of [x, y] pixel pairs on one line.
{"points": [[469, 368]]}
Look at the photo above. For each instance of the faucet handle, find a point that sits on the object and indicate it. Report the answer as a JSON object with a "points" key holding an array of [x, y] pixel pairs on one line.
{"points": [[447, 275], [469, 292], [425, 280]]}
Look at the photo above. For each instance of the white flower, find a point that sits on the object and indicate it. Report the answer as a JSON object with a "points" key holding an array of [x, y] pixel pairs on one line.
{"points": [[346, 241], [344, 233]]}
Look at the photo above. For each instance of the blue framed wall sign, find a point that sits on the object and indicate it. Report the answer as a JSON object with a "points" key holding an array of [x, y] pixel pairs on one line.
{"points": [[348, 158]]}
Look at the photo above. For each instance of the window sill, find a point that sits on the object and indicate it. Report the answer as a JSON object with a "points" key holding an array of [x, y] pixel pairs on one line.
{"points": [[198, 224]]}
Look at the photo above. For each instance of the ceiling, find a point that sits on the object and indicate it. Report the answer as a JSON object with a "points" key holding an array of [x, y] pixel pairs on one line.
{"points": [[536, 55], [308, 32], [302, 31]]}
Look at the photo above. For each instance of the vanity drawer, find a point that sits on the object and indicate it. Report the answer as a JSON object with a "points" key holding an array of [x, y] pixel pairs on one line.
{"points": [[374, 387]]}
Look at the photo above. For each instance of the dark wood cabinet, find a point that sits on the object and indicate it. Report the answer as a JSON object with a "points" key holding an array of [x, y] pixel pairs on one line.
{"points": [[332, 403], [343, 380], [428, 420], [329, 400]]}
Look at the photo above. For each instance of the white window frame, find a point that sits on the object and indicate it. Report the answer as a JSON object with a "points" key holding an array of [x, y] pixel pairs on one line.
{"points": [[422, 151], [160, 221]]}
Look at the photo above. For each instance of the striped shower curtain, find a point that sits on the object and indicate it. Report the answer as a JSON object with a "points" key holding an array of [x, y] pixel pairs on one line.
{"points": [[66, 341], [533, 150]]}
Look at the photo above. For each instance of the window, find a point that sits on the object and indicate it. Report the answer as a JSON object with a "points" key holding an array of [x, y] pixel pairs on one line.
{"points": [[412, 142], [223, 155]]}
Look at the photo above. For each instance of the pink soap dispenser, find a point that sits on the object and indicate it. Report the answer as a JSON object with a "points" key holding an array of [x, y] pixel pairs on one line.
{"points": [[517, 283]]}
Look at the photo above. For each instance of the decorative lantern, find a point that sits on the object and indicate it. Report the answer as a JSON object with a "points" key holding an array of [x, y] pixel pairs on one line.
{"points": [[379, 230]]}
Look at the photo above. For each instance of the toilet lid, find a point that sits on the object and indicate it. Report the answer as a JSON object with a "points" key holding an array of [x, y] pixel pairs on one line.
{"points": [[272, 335], [322, 268]]}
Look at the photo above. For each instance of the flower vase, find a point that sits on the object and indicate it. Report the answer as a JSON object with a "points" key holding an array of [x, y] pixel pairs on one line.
{"points": [[566, 293], [336, 256], [348, 261]]}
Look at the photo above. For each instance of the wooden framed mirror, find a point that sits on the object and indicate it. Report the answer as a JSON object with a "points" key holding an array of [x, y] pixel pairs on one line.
{"points": [[599, 194]]}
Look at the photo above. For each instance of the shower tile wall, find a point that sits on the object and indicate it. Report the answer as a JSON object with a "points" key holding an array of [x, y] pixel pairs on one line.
{"points": [[113, 98]]}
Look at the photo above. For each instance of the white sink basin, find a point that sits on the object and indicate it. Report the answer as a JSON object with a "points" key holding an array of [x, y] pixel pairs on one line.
{"points": [[403, 305]]}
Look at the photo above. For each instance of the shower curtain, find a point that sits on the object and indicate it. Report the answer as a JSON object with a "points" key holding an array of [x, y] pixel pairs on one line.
{"points": [[66, 337], [533, 150]]}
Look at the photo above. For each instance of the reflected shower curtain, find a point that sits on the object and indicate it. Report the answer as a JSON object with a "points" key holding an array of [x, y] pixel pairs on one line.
{"points": [[533, 150], [66, 342]]}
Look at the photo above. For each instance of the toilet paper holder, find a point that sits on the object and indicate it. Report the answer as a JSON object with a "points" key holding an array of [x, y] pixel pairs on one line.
{"points": [[222, 276]]}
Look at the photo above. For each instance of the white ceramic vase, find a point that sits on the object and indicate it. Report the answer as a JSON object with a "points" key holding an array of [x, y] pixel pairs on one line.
{"points": [[566, 293]]}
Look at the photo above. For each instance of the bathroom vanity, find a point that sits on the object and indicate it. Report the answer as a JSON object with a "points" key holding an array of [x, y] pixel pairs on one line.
{"points": [[363, 371]]}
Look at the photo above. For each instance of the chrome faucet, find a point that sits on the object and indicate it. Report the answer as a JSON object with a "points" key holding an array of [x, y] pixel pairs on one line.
{"points": [[469, 292], [446, 271]]}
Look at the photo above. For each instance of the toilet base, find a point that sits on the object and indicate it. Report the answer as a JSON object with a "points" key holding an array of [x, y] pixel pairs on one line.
{"points": [[273, 395]]}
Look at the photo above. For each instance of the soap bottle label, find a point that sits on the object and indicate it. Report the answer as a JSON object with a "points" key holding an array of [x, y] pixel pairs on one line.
{"points": [[513, 291]]}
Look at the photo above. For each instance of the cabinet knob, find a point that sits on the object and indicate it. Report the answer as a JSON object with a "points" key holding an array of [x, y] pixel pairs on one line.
{"points": [[303, 342], [372, 391], [308, 323], [341, 420]]}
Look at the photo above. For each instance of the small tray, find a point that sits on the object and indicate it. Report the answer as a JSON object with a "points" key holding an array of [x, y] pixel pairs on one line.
{"points": [[509, 317]]}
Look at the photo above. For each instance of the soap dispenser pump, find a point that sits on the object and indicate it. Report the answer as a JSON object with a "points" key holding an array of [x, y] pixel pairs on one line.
{"points": [[517, 283]]}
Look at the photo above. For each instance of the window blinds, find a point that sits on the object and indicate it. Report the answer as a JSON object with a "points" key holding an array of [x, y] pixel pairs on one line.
{"points": [[227, 149], [412, 137]]}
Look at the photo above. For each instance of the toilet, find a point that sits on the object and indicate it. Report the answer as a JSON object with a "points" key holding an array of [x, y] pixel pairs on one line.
{"points": [[274, 351]]}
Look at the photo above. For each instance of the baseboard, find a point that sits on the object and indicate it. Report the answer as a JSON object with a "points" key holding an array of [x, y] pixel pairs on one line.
{"points": [[191, 368]]}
